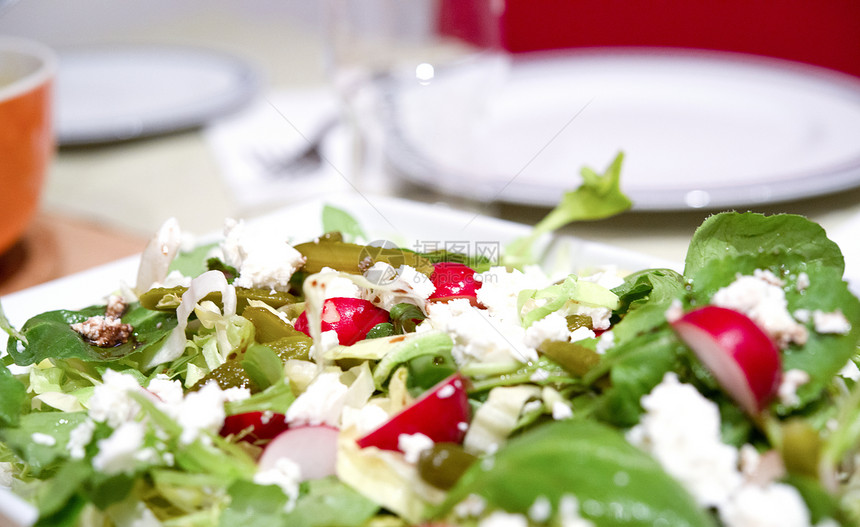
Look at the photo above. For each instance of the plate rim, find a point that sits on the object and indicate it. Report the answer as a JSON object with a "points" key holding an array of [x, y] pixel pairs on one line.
{"points": [[400, 153], [245, 84]]}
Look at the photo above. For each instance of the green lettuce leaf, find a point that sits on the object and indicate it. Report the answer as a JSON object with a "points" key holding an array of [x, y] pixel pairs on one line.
{"points": [[49, 336], [329, 503], [598, 197], [616, 484], [13, 394], [40, 455], [338, 220]]}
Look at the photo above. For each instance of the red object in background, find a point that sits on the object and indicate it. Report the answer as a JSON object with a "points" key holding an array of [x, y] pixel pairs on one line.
{"points": [[820, 32]]}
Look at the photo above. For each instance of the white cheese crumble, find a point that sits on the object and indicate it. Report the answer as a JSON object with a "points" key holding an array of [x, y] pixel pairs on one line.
{"points": [[203, 411], [802, 281], [541, 510], [412, 445], [286, 474], [775, 505], [833, 322], [79, 438], [500, 289], [607, 277], [117, 452], [605, 343], [561, 411], [7, 476], [791, 381], [568, 513], [504, 519], [364, 419], [337, 286], [263, 258], [762, 299], [681, 429], [111, 403], [850, 371], [43, 439], [552, 327], [321, 403], [478, 335]]}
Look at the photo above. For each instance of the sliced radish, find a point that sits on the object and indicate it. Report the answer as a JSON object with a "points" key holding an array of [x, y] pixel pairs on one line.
{"points": [[742, 357], [454, 280], [313, 448], [442, 414], [351, 318], [254, 426]]}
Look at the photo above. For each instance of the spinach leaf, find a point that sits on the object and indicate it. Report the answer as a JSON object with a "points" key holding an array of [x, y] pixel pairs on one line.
{"points": [[329, 503], [253, 505], [644, 297], [50, 335], [338, 220], [635, 367], [731, 234], [616, 484], [40, 455], [13, 394], [193, 262]]}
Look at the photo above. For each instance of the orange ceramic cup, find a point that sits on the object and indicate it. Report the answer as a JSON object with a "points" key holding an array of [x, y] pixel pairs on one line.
{"points": [[27, 70]]}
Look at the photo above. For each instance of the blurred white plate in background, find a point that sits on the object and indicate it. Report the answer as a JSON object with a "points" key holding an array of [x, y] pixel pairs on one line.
{"points": [[115, 93], [699, 129]]}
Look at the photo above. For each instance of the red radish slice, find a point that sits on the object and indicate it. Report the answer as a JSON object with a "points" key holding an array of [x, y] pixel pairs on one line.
{"points": [[256, 426], [442, 414], [313, 448], [454, 280], [742, 357], [351, 318]]}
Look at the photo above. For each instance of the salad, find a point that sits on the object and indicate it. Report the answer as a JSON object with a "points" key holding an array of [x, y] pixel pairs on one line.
{"points": [[331, 382]]}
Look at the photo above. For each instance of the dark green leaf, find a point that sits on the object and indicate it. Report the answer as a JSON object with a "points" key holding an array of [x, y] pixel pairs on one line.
{"points": [[49, 335], [57, 425], [13, 394], [383, 329], [329, 503], [615, 483], [253, 505], [644, 297], [263, 365], [215, 264], [406, 317]]}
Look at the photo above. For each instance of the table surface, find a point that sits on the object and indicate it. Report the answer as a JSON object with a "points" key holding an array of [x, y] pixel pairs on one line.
{"points": [[103, 202]]}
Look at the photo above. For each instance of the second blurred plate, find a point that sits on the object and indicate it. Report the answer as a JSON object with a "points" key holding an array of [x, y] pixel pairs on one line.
{"points": [[119, 92], [699, 129]]}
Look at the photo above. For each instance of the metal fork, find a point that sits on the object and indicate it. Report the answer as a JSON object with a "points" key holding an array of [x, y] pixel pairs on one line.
{"points": [[276, 163]]}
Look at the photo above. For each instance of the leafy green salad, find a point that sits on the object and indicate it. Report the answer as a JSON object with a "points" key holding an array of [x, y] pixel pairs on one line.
{"points": [[261, 381]]}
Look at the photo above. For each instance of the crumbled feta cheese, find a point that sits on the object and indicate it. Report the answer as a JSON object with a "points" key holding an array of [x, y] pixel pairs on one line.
{"points": [[850, 371], [264, 259], [111, 402], [568, 513], [802, 281], [775, 505], [833, 322], [561, 411], [791, 381], [500, 289], [328, 340], [169, 392], [761, 298], [478, 335], [337, 286], [470, 507], [201, 411], [681, 429], [605, 343], [675, 311], [504, 519], [321, 403], [364, 419], [539, 375], [80, 437], [541, 510], [582, 333], [552, 327], [117, 452], [405, 285], [412, 445], [43, 439], [287, 475]]}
